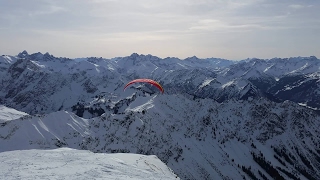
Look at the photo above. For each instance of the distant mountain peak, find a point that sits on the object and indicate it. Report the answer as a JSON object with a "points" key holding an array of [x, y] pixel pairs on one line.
{"points": [[192, 58], [134, 55], [23, 54]]}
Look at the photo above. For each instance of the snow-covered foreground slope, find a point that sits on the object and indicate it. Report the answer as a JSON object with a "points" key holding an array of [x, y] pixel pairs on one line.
{"points": [[66, 163]]}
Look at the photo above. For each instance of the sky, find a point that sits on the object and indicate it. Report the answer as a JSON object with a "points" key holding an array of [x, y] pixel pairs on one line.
{"points": [[230, 29]]}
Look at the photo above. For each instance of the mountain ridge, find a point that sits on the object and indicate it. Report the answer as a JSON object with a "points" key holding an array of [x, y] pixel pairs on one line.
{"points": [[216, 120]]}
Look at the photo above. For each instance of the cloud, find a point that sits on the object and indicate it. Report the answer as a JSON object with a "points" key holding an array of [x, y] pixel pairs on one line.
{"points": [[149, 15], [296, 6], [48, 10], [299, 6], [215, 25]]}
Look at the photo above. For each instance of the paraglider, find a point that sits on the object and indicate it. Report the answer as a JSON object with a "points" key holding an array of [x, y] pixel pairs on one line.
{"points": [[150, 81]]}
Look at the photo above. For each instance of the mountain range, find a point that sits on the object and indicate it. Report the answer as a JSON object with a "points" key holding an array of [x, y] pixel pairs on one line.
{"points": [[218, 119]]}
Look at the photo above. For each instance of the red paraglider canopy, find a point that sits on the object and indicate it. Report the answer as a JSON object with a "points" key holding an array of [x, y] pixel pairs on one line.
{"points": [[150, 81]]}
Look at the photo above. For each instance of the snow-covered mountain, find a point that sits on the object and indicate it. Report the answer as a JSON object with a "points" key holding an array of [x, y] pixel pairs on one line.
{"points": [[218, 119]]}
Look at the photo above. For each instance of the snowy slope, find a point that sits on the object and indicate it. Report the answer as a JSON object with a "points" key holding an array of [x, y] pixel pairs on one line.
{"points": [[7, 114], [66, 163], [6, 61]]}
